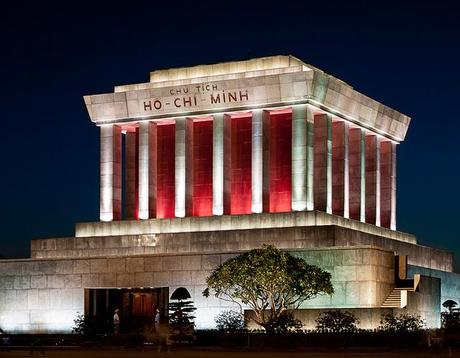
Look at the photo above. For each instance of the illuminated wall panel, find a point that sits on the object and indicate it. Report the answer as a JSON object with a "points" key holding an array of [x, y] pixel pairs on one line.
{"points": [[355, 174], [371, 178], [277, 129], [132, 174], [340, 172], [322, 174], [162, 169], [199, 155], [237, 164], [388, 184]]}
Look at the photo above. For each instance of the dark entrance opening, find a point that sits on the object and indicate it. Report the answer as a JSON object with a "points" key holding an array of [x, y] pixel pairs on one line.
{"points": [[137, 307]]}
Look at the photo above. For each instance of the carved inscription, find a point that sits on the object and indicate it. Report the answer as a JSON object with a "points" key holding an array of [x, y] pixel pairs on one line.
{"points": [[191, 96]]}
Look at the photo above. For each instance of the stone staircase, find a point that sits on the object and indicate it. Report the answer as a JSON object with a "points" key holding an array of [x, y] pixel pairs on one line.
{"points": [[396, 299], [398, 295]]}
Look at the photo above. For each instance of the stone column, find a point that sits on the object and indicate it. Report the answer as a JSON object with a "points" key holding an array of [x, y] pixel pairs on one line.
{"points": [[110, 176], [310, 158], [144, 170], [132, 174], [388, 184], [257, 161], [323, 162], [218, 165], [363, 177], [340, 172], [180, 167], [299, 157]]}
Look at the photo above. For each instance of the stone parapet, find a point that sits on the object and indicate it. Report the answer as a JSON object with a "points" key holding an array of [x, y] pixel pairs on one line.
{"points": [[305, 237], [233, 222]]}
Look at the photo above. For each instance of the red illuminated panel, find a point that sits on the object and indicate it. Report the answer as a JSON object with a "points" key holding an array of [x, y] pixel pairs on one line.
{"points": [[132, 174], [277, 132], [320, 175], [386, 182], [199, 166], [371, 178], [354, 163], [162, 169], [237, 164], [338, 167]]}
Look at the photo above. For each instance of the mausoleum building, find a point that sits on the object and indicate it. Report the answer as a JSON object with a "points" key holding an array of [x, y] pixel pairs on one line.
{"points": [[203, 163]]}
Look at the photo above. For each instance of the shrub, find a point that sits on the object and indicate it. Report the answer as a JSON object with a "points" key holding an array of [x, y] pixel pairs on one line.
{"points": [[401, 323], [336, 321], [229, 321], [84, 326], [286, 322]]}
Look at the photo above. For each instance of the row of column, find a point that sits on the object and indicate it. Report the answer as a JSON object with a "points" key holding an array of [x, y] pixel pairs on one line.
{"points": [[292, 159]]}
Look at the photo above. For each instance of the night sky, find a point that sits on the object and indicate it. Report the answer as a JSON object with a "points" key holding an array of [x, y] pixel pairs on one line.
{"points": [[405, 54]]}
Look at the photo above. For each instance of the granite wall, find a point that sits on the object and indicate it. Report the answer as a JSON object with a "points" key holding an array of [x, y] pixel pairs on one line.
{"points": [[46, 295]]}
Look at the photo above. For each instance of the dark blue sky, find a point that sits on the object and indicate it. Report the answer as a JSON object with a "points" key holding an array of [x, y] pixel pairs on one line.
{"points": [[405, 54]]}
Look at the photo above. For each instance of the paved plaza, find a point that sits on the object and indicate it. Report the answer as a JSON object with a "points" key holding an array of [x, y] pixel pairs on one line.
{"points": [[61, 353]]}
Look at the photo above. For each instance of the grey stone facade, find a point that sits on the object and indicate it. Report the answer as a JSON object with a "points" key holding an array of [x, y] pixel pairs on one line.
{"points": [[46, 293]]}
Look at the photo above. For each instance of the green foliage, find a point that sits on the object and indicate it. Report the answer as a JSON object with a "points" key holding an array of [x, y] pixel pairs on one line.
{"points": [[230, 321], [401, 323], [181, 316], [83, 326], [286, 323], [337, 321], [269, 281], [449, 305]]}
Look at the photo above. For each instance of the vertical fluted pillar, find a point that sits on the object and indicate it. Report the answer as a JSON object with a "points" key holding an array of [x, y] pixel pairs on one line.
{"points": [[363, 177], [377, 189], [144, 169], [110, 175], [299, 157], [310, 157], [218, 165], [323, 162], [257, 161], [180, 168]]}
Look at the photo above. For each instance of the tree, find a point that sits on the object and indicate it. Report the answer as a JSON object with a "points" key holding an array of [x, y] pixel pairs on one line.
{"points": [[401, 323], [181, 314], [269, 281], [450, 320], [337, 321], [449, 305]]}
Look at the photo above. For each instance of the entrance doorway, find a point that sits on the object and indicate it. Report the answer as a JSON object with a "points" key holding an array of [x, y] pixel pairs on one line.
{"points": [[137, 307]]}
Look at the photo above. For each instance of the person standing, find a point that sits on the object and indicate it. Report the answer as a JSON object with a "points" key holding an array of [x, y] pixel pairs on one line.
{"points": [[156, 321], [116, 322]]}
